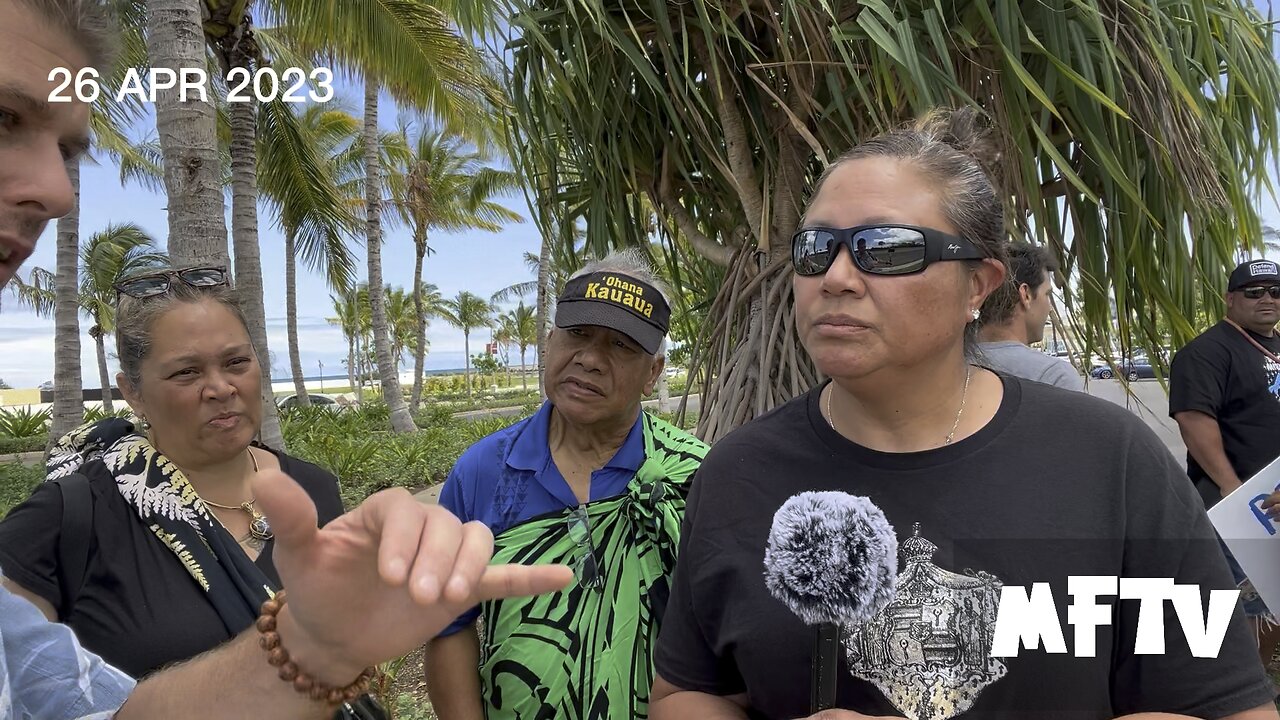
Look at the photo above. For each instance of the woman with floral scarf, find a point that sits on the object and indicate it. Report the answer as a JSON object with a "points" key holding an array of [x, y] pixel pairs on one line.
{"points": [[176, 556]]}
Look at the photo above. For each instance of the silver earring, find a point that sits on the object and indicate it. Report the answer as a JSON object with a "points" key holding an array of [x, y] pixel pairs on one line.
{"points": [[146, 424], [975, 314]]}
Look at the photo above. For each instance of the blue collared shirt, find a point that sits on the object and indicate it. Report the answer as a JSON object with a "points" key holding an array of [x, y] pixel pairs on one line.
{"points": [[510, 476], [46, 675]]}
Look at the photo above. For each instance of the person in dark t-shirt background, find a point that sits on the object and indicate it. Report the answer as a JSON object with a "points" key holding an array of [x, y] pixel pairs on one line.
{"points": [[1224, 393]]}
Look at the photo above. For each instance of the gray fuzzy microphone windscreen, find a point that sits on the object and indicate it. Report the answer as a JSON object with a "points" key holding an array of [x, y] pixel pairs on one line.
{"points": [[832, 558]]}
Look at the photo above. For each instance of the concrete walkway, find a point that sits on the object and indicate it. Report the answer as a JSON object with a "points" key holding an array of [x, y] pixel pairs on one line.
{"points": [[1149, 402], [27, 458]]}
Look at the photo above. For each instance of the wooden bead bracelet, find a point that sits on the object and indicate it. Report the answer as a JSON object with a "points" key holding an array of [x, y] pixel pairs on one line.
{"points": [[269, 640]]}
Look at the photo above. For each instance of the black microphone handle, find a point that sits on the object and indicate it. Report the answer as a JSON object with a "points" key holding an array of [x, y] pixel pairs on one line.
{"points": [[826, 657]]}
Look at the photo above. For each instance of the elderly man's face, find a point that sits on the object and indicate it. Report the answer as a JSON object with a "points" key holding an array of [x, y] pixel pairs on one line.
{"points": [[595, 374], [36, 136]]}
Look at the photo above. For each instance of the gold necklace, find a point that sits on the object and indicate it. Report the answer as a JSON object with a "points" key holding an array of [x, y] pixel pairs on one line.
{"points": [[964, 396], [259, 528]]}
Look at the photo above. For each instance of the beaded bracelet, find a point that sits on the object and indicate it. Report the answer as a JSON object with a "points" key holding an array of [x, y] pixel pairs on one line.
{"points": [[289, 672]]}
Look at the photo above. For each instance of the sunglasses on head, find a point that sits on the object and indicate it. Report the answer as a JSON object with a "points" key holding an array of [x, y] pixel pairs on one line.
{"points": [[878, 249], [1257, 291], [159, 283]]}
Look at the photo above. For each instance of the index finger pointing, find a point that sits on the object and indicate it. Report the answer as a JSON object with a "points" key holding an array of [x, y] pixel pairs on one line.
{"points": [[504, 581]]}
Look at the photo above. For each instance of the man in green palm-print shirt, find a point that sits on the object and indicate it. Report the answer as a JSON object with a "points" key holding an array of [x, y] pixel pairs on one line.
{"points": [[592, 481]]}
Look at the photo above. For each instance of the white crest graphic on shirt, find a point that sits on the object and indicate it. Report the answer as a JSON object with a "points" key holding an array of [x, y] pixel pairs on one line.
{"points": [[1262, 267], [1271, 370], [929, 650]]}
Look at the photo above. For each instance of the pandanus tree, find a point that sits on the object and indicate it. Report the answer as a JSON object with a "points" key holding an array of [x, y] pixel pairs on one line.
{"points": [[1135, 136]]}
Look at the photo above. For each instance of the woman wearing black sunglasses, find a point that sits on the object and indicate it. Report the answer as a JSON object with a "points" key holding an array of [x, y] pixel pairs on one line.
{"points": [[150, 545], [989, 481]]}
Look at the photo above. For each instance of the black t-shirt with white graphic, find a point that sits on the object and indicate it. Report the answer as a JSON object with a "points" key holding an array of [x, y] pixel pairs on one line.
{"points": [[1057, 484], [1221, 374]]}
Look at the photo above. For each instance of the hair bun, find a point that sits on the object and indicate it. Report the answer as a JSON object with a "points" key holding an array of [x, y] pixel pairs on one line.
{"points": [[966, 129]]}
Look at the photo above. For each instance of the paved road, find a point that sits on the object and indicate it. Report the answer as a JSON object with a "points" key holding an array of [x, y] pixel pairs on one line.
{"points": [[1149, 402]]}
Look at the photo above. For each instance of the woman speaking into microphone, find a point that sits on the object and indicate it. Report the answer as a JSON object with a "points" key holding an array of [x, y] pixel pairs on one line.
{"points": [[988, 480]]}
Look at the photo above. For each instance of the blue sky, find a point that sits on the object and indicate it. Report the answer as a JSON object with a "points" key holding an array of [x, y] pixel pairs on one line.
{"points": [[476, 261], [479, 262]]}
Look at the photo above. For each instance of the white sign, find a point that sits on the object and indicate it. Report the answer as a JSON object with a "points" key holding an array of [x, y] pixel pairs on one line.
{"points": [[1254, 538]]}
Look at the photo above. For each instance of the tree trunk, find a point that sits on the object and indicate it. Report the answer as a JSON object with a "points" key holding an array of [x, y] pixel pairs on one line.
{"points": [[544, 311], [524, 377], [68, 393], [351, 367], [401, 420], [466, 347], [753, 360], [291, 318], [244, 239], [187, 129], [359, 369], [104, 377], [664, 393], [420, 352]]}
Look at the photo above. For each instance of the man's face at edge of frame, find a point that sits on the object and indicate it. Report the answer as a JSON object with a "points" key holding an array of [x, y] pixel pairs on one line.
{"points": [[36, 137]]}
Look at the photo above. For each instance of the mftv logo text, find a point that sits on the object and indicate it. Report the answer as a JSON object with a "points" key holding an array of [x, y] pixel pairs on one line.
{"points": [[1024, 619]]}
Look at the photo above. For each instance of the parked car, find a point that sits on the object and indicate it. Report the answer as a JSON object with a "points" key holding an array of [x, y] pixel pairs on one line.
{"points": [[1131, 369], [291, 401]]}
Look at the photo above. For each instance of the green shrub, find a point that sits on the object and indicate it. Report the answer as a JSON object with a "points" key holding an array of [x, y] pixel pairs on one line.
{"points": [[16, 483], [22, 422], [94, 413], [9, 446], [358, 447], [432, 415], [409, 708]]}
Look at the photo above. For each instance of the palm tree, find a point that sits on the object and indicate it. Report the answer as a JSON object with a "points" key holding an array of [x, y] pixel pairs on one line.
{"points": [[519, 327], [553, 267], [348, 316], [448, 189], [410, 47], [187, 128], [108, 121], [411, 50], [429, 305], [721, 116], [468, 311], [403, 323], [107, 256], [298, 156]]}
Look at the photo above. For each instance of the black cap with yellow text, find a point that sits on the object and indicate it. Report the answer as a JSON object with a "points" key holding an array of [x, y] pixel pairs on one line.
{"points": [[616, 301]]}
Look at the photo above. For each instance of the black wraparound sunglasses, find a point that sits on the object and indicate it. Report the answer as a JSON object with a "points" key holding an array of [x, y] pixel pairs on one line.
{"points": [[878, 249], [158, 283], [1257, 291]]}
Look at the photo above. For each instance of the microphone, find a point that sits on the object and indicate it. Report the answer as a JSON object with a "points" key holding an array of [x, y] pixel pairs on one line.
{"points": [[832, 558]]}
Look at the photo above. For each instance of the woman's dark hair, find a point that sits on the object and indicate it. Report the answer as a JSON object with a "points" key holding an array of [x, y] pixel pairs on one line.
{"points": [[135, 319]]}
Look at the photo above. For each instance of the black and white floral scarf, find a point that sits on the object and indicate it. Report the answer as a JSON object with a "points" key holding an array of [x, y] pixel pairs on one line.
{"points": [[168, 505]]}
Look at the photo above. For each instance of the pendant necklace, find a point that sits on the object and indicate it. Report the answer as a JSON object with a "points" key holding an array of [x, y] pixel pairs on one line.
{"points": [[259, 528]]}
